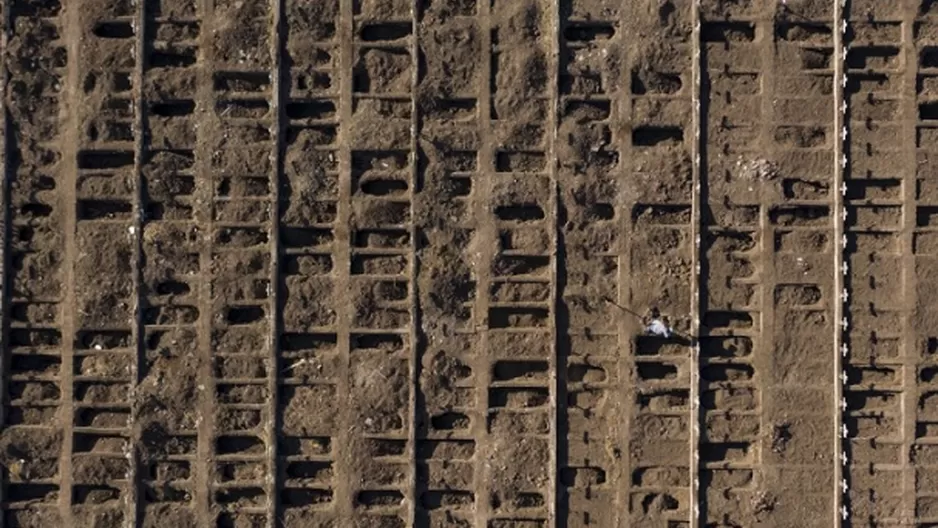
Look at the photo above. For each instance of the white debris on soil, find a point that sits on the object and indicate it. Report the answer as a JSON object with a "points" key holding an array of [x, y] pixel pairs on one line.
{"points": [[759, 169], [802, 265]]}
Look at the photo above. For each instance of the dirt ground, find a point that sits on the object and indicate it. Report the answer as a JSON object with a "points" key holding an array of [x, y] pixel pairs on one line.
{"points": [[382, 263]]}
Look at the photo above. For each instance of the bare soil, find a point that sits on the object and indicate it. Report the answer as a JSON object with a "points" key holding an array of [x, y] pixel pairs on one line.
{"points": [[378, 263]]}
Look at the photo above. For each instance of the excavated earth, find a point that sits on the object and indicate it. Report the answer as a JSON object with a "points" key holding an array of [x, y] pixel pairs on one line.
{"points": [[384, 263]]}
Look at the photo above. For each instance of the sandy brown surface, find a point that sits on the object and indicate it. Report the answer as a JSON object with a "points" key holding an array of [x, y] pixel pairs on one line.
{"points": [[373, 263]]}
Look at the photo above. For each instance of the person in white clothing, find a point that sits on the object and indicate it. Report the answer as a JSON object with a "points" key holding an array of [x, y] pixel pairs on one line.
{"points": [[658, 325]]}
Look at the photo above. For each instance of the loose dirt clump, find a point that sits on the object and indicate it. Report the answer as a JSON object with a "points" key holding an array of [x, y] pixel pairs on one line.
{"points": [[763, 503]]}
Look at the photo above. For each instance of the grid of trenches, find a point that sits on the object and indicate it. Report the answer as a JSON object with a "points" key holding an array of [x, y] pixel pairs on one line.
{"points": [[358, 262], [485, 219], [35, 384], [767, 262], [346, 353], [890, 195], [589, 151]]}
